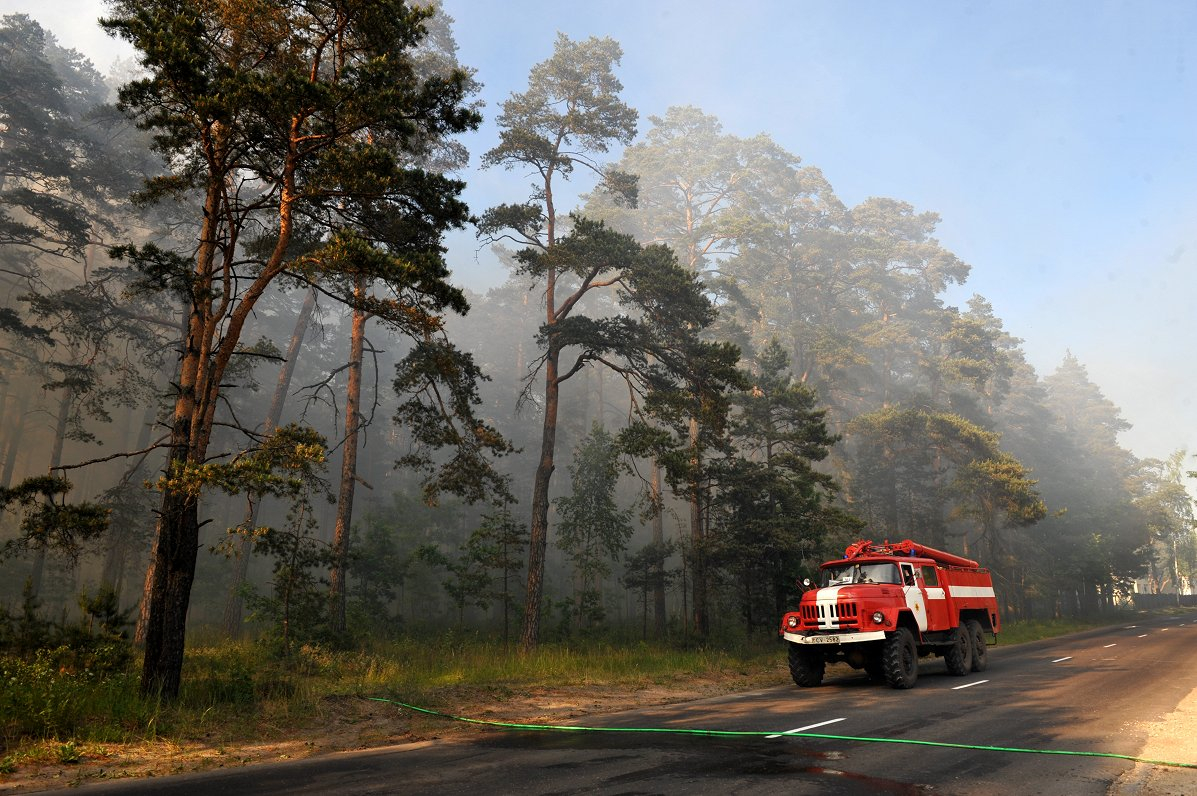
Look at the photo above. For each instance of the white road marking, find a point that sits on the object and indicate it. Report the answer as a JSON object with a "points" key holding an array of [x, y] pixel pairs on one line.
{"points": [[1131, 627], [969, 685], [807, 727], [1162, 629], [1060, 660], [1144, 635], [1106, 647]]}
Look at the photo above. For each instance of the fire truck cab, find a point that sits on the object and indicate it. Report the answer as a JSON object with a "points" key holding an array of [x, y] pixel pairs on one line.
{"points": [[883, 606]]}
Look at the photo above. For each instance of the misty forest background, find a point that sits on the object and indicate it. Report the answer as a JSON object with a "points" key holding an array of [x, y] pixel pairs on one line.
{"points": [[727, 373]]}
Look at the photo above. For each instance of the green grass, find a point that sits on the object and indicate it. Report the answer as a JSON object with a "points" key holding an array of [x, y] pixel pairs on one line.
{"points": [[1036, 629], [41, 699]]}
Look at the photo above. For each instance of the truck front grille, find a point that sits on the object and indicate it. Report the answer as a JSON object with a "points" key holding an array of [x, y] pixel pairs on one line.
{"points": [[838, 614]]}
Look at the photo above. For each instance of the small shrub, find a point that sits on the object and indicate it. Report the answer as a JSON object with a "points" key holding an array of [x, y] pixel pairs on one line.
{"points": [[69, 753]]}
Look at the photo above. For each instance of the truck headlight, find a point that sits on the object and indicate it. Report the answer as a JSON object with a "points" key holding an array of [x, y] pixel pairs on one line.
{"points": [[878, 618], [792, 621]]}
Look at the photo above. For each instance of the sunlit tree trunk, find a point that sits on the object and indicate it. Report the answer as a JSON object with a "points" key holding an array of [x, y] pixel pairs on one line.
{"points": [[538, 536], [176, 540]]}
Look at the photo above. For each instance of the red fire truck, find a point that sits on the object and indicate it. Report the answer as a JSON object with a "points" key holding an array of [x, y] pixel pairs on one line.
{"points": [[883, 606]]}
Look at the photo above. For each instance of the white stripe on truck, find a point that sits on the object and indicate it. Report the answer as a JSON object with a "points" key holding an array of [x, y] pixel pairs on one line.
{"points": [[826, 601], [972, 591]]}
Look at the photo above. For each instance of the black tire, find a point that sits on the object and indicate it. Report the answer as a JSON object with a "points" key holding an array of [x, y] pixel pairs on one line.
{"points": [[976, 635], [806, 665], [959, 656], [900, 660]]}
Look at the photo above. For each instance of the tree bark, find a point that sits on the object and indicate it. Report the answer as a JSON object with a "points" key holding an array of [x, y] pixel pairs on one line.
{"points": [[170, 578], [176, 542], [539, 532], [337, 576]]}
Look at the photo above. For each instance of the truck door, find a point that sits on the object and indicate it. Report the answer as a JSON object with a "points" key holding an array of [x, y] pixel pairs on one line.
{"points": [[937, 600], [915, 599]]}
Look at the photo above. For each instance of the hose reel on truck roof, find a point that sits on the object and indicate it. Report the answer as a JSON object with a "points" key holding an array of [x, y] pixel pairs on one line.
{"points": [[907, 547]]}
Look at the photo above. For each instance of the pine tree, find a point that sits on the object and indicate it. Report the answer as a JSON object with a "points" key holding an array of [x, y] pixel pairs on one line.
{"points": [[319, 104]]}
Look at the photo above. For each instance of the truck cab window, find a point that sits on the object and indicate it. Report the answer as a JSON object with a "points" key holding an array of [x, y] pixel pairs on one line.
{"points": [[860, 573]]}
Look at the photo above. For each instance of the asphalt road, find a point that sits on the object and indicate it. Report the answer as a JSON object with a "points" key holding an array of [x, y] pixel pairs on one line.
{"points": [[1087, 693]]}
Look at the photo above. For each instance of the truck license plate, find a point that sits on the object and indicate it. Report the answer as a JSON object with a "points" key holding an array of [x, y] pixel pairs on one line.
{"points": [[823, 639]]}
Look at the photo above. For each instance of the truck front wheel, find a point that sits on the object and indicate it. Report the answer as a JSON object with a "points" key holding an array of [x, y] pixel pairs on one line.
{"points": [[900, 660], [806, 665]]}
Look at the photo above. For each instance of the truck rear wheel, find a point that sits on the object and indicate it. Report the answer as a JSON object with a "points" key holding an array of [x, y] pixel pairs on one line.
{"points": [[900, 660], [976, 635], [806, 665], [959, 656]]}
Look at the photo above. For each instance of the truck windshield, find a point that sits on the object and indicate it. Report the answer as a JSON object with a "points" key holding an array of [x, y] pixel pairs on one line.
{"points": [[860, 573]]}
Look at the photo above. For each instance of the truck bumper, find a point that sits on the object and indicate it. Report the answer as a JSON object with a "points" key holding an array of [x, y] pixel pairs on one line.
{"points": [[816, 639]]}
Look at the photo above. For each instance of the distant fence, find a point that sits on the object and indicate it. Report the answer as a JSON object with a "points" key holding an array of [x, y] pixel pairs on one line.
{"points": [[1163, 600]]}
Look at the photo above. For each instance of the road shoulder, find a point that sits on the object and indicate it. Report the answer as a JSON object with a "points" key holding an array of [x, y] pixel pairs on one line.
{"points": [[1173, 739]]}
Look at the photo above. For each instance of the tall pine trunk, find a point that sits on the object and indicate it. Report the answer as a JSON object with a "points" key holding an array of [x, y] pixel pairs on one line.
{"points": [[170, 579], [176, 542], [341, 531], [702, 619], [658, 525], [539, 531]]}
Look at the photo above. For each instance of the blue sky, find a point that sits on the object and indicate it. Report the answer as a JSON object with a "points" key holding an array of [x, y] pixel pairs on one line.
{"points": [[1054, 139]]}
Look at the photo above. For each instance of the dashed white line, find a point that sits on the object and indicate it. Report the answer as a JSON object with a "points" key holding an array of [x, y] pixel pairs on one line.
{"points": [[969, 685], [1109, 645], [1143, 635], [1061, 660], [807, 727]]}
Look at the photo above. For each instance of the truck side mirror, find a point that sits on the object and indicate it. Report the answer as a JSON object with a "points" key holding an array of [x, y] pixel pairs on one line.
{"points": [[805, 583]]}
